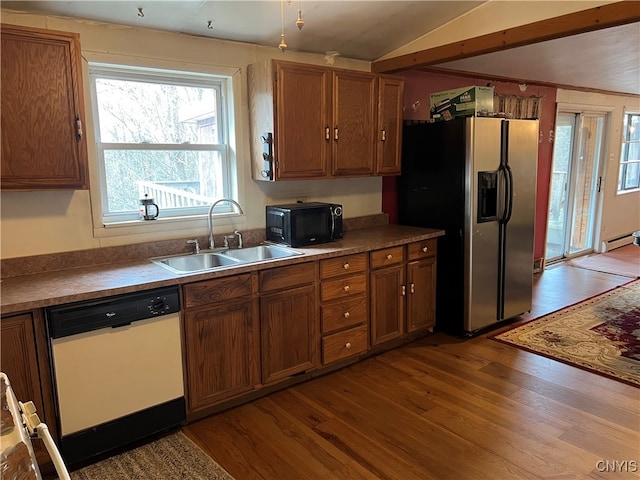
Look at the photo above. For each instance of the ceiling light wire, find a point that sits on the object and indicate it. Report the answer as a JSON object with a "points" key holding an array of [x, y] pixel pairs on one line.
{"points": [[300, 21], [283, 44]]}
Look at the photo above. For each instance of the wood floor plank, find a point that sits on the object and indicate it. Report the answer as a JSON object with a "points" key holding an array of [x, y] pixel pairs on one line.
{"points": [[584, 401], [398, 436]]}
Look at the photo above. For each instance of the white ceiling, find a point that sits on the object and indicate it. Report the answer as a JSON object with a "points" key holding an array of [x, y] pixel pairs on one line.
{"points": [[607, 60]]}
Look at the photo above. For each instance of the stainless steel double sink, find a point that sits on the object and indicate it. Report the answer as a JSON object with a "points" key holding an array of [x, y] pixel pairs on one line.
{"points": [[206, 261]]}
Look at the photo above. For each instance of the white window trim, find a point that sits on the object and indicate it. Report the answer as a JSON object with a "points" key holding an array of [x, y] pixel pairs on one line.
{"points": [[620, 162], [193, 224]]}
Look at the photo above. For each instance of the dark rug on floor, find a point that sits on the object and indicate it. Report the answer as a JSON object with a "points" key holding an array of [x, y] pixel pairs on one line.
{"points": [[601, 334], [172, 457]]}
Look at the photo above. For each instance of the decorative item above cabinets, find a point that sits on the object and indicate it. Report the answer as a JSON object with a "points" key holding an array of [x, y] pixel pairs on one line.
{"points": [[43, 145], [314, 122]]}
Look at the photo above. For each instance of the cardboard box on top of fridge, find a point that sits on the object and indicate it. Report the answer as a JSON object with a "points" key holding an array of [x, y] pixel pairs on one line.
{"points": [[461, 102]]}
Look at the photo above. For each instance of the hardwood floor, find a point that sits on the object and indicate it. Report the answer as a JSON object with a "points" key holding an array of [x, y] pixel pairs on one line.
{"points": [[442, 408]]}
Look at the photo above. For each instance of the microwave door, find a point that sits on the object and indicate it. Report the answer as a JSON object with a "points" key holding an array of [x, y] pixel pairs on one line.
{"points": [[276, 221]]}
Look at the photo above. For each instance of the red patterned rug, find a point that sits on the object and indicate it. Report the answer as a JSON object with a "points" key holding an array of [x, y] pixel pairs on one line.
{"points": [[601, 334]]}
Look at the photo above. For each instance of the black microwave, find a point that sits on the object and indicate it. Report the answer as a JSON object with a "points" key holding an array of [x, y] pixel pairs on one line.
{"points": [[298, 224]]}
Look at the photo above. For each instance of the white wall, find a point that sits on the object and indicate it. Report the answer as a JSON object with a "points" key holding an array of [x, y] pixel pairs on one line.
{"points": [[34, 223], [620, 213]]}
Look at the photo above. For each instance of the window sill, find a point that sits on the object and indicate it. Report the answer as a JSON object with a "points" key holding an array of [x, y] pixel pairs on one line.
{"points": [[624, 192], [195, 224]]}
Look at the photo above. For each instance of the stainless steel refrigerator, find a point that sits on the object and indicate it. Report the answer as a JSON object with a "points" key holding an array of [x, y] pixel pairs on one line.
{"points": [[474, 177]]}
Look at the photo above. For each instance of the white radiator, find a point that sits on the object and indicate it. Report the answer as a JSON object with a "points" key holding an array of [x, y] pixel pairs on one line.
{"points": [[620, 241]]}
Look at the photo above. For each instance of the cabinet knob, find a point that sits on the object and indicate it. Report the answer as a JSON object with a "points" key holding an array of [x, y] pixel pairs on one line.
{"points": [[346, 288], [384, 135], [413, 288], [346, 266], [389, 257], [346, 315], [425, 249], [404, 290], [348, 345]]}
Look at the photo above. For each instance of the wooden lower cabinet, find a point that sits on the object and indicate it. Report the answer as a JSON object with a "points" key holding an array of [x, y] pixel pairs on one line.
{"points": [[421, 285], [19, 360], [288, 333], [387, 295], [222, 339], [222, 353], [343, 307], [403, 293], [288, 311]]}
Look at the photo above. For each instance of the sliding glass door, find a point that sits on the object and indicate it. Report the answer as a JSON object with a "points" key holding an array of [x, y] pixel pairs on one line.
{"points": [[575, 183]]}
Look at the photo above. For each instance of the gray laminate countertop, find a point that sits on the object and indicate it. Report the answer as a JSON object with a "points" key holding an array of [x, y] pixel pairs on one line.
{"points": [[28, 292]]}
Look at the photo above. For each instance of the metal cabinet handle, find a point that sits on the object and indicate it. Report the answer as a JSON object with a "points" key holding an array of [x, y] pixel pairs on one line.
{"points": [[413, 288], [78, 128], [346, 266], [425, 249], [327, 135], [384, 135], [404, 290], [389, 257], [335, 133], [346, 315], [348, 345], [346, 288]]}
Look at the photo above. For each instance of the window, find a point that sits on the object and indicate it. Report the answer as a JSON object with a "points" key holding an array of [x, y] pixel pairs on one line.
{"points": [[163, 134], [629, 178]]}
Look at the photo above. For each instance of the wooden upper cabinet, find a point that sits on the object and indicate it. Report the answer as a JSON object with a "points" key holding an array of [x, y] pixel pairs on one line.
{"points": [[43, 144], [324, 122], [389, 133], [354, 123], [301, 147]]}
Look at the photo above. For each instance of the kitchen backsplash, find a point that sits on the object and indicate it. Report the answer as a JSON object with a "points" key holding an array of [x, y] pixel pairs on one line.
{"points": [[13, 267]]}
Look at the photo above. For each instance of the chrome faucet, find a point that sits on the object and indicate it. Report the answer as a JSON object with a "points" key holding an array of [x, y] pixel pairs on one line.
{"points": [[212, 243]]}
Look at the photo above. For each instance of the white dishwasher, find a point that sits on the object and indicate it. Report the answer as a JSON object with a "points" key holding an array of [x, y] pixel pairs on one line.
{"points": [[117, 370]]}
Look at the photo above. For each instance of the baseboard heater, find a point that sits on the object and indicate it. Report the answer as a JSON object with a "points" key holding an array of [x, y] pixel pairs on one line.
{"points": [[620, 241]]}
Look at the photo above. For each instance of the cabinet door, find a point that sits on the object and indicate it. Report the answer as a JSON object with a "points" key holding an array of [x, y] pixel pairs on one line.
{"points": [[389, 134], [302, 112], [222, 351], [421, 299], [354, 123], [288, 326], [42, 142], [19, 361], [387, 304]]}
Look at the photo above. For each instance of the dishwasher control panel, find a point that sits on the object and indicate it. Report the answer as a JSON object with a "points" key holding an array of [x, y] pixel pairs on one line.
{"points": [[111, 312]]}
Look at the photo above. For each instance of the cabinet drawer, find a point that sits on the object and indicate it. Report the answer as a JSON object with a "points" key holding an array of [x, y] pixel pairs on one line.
{"points": [[387, 256], [343, 314], [334, 267], [344, 344], [286, 277], [212, 291], [343, 287], [423, 249]]}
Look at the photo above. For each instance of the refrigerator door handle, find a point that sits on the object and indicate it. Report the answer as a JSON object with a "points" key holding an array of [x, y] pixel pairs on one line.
{"points": [[508, 195], [503, 194]]}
